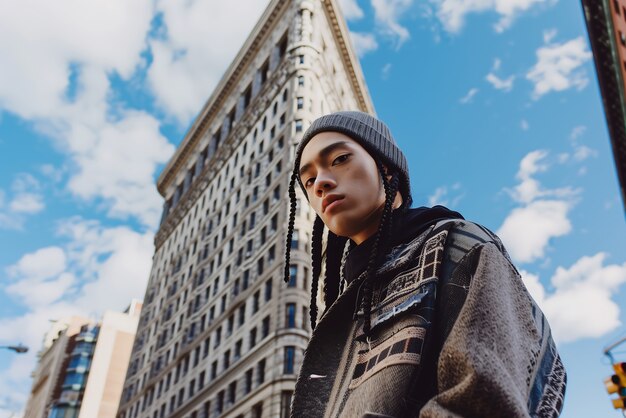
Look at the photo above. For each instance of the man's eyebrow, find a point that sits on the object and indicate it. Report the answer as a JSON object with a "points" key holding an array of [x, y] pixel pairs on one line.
{"points": [[323, 153]]}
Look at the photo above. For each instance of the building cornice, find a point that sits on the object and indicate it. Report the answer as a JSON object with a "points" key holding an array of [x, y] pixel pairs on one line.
{"points": [[234, 73], [223, 91], [346, 51]]}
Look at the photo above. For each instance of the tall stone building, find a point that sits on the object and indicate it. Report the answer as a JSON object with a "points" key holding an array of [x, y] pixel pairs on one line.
{"points": [[221, 334]]}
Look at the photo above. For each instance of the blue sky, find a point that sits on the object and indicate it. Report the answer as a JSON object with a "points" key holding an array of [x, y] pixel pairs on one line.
{"points": [[495, 103]]}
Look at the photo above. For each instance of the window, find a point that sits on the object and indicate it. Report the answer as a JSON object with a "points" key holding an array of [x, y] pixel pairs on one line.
{"points": [[255, 302], [290, 315], [259, 265], [274, 223], [192, 387], [201, 379], [276, 193], [249, 380], [260, 374], [301, 80], [265, 329], [285, 403], [294, 239], [218, 337], [246, 279], [293, 271], [257, 410], [264, 70], [232, 392], [238, 346], [247, 96], [300, 102], [230, 325], [268, 290], [220, 402], [290, 353], [301, 59], [214, 370], [242, 314], [299, 126], [226, 359], [252, 337]]}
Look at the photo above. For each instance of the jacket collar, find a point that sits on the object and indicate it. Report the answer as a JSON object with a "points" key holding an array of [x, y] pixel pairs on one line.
{"points": [[406, 225]]}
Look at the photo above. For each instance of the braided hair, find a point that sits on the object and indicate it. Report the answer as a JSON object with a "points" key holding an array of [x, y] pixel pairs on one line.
{"points": [[335, 250], [382, 235]]}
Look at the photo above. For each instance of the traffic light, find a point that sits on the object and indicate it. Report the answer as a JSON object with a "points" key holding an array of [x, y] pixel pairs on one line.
{"points": [[617, 384]]}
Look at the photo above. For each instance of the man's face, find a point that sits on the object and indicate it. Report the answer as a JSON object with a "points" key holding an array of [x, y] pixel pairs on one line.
{"points": [[343, 185]]}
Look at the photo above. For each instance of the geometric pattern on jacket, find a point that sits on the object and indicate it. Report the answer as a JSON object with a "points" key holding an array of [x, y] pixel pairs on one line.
{"points": [[454, 334]]}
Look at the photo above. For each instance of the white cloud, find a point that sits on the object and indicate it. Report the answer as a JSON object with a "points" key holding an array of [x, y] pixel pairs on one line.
{"points": [[97, 269], [363, 42], [583, 152], [113, 152], [446, 196], [469, 96], [527, 230], [581, 304], [119, 164], [112, 35], [529, 188], [187, 64], [452, 13], [500, 84], [548, 35], [26, 200], [524, 125], [386, 71], [543, 215], [388, 14], [40, 265], [577, 132], [558, 67], [351, 9], [29, 203]]}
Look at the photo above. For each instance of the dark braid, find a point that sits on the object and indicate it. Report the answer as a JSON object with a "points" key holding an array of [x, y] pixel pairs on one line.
{"points": [[334, 254], [391, 187], [316, 264], [292, 220]]}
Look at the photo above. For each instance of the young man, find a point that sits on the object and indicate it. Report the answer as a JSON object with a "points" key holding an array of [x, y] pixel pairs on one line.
{"points": [[425, 314]]}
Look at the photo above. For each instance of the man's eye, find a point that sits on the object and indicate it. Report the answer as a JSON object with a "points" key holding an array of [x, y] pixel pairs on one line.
{"points": [[309, 182], [340, 159]]}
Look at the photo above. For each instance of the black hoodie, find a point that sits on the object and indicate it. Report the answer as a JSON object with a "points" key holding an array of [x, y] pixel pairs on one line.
{"points": [[405, 226]]}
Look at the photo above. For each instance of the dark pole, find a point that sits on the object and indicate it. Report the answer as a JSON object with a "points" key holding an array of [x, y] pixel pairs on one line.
{"points": [[20, 349]]}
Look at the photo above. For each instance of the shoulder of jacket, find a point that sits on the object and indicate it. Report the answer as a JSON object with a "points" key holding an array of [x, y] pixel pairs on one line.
{"points": [[465, 236]]}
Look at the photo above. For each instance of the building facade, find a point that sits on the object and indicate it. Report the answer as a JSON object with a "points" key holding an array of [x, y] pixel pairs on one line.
{"points": [[606, 26], [221, 334], [50, 371], [81, 369]]}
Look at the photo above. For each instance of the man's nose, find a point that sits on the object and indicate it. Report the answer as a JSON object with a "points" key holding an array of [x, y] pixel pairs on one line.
{"points": [[323, 183]]}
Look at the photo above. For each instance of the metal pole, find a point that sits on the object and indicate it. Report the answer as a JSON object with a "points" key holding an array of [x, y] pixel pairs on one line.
{"points": [[20, 349]]}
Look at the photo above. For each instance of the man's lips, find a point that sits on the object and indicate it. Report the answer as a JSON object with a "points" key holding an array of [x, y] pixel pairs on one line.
{"points": [[329, 200]]}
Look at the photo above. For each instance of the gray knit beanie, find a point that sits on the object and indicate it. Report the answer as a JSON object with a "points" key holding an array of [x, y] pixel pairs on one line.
{"points": [[372, 134]]}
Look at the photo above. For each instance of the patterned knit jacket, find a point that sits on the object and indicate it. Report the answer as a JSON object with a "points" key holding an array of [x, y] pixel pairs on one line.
{"points": [[454, 334]]}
